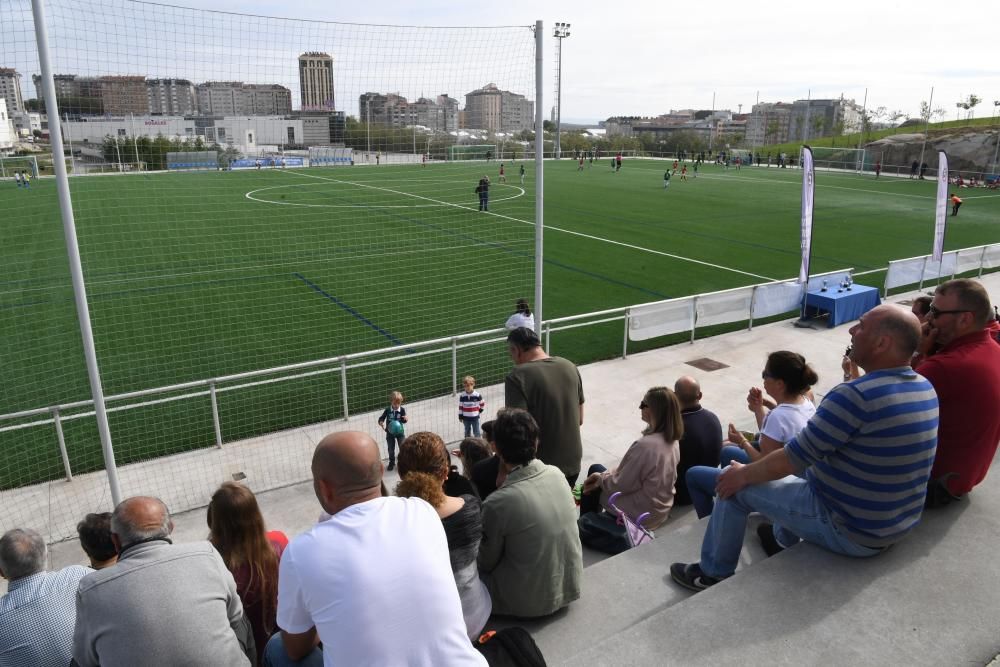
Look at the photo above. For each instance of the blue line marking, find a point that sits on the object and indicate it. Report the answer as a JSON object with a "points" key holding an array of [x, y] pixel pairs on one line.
{"points": [[367, 322]]}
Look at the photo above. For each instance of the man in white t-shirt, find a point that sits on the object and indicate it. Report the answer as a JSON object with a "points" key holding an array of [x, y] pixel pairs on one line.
{"points": [[373, 582]]}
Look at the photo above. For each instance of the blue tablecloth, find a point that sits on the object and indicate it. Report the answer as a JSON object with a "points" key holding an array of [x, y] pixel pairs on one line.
{"points": [[843, 306]]}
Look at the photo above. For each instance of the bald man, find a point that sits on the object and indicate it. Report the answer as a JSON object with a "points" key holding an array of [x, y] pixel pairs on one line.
{"points": [[373, 582], [702, 440], [160, 604], [883, 423]]}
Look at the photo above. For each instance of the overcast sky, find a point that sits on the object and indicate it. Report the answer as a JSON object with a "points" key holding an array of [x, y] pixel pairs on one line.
{"points": [[645, 58]]}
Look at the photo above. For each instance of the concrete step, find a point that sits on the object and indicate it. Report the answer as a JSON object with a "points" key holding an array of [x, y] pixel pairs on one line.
{"points": [[623, 590], [929, 600]]}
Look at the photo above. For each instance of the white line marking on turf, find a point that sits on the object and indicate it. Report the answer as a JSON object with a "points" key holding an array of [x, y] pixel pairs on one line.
{"points": [[556, 229], [249, 196], [818, 185]]}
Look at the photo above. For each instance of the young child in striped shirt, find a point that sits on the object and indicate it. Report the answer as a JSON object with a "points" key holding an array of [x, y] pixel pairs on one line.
{"points": [[470, 406]]}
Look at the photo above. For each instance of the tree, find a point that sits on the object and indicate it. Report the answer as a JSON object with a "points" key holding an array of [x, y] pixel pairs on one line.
{"points": [[895, 116], [837, 130], [548, 126], [969, 104], [818, 123]]}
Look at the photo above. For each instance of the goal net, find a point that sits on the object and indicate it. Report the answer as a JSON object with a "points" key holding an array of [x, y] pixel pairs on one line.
{"points": [[242, 304], [472, 152], [842, 159], [18, 164]]}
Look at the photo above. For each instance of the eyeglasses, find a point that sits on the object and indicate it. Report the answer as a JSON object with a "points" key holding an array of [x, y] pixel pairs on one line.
{"points": [[935, 311], [642, 405]]}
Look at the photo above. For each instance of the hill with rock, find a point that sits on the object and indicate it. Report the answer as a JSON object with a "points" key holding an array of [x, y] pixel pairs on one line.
{"points": [[969, 149]]}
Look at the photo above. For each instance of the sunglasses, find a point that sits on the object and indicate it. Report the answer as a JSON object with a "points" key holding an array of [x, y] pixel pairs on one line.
{"points": [[935, 311]]}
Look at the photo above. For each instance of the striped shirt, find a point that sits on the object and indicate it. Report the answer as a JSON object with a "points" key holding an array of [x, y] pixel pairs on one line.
{"points": [[37, 616], [868, 451], [470, 404]]}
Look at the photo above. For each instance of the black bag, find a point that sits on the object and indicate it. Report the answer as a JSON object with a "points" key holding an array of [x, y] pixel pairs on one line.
{"points": [[601, 531], [510, 647]]}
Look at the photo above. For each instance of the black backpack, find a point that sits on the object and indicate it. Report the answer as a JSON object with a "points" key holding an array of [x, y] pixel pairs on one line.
{"points": [[510, 647]]}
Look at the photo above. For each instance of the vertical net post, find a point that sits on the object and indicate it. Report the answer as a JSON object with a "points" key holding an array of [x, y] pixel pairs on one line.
{"points": [[73, 251], [539, 176]]}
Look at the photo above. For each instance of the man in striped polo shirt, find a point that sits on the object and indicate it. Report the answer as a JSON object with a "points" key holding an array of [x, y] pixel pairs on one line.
{"points": [[882, 425]]}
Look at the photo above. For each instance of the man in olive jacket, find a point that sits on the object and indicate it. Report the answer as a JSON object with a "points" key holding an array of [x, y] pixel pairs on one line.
{"points": [[530, 557]]}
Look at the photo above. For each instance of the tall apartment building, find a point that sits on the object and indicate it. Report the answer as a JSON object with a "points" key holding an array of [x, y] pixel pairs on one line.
{"points": [[235, 98], [76, 95], [438, 115], [171, 97], [124, 95], [490, 108], [316, 81], [820, 118], [10, 89], [769, 123]]}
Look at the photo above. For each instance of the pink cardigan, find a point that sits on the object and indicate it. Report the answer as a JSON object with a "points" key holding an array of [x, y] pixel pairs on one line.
{"points": [[645, 477]]}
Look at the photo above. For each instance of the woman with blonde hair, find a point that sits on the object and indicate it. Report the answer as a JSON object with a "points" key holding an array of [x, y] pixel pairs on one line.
{"points": [[645, 476], [251, 553], [423, 468]]}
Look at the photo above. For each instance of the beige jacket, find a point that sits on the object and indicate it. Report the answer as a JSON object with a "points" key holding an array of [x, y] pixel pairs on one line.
{"points": [[645, 477]]}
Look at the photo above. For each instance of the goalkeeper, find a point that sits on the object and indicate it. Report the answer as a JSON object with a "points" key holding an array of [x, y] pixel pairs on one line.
{"points": [[391, 421]]}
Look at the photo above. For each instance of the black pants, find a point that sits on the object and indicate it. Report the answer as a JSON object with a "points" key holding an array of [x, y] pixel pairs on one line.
{"points": [[591, 502]]}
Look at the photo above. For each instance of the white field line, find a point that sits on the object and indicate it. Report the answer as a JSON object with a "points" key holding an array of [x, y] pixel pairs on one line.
{"points": [[818, 185], [556, 229]]}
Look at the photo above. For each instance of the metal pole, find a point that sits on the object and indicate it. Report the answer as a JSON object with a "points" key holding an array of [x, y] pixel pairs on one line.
{"points": [[864, 111], [135, 139], [711, 125], [73, 251], [558, 146], [454, 365], [628, 322], [927, 124], [215, 416], [343, 386], [539, 176], [62, 444], [69, 138]]}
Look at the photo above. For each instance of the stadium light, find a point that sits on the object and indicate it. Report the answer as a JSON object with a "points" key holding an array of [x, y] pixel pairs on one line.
{"points": [[561, 32]]}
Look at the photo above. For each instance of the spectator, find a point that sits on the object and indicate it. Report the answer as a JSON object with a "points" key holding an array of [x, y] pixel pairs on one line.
{"points": [[470, 452], [38, 612], [702, 439], [530, 557], [965, 372], [921, 306], [486, 473], [551, 390], [95, 540], [251, 554], [423, 468], [644, 478], [372, 582], [862, 461], [522, 316], [160, 604], [787, 378]]}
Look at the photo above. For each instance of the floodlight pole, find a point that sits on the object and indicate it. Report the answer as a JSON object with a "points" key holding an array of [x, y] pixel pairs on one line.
{"points": [[927, 125], [996, 105], [560, 33], [73, 250], [539, 172]]}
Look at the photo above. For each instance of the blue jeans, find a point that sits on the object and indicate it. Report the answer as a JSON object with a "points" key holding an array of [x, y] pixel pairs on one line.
{"points": [[789, 501], [701, 480], [275, 656], [471, 426]]}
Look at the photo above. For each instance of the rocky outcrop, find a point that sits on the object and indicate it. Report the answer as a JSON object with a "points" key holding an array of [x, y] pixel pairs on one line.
{"points": [[969, 149]]}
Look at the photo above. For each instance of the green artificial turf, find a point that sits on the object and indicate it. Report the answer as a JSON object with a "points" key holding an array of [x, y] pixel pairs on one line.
{"points": [[189, 278]]}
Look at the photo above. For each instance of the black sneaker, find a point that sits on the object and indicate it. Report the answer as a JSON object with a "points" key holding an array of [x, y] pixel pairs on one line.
{"points": [[690, 576], [392, 465], [765, 532]]}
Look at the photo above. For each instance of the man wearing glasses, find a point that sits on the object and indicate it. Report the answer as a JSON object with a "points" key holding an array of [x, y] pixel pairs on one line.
{"points": [[960, 359]]}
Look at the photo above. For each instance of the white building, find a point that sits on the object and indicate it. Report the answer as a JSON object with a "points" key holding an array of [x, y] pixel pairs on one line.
{"points": [[7, 134], [244, 133], [171, 97], [26, 123], [10, 89]]}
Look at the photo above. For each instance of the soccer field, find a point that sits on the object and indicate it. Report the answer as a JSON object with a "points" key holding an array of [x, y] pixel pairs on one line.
{"points": [[193, 276]]}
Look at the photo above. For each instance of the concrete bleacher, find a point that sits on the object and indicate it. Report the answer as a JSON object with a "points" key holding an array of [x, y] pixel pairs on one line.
{"points": [[930, 600]]}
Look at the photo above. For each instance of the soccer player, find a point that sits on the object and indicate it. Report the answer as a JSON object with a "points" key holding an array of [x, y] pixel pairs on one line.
{"points": [[878, 168], [666, 179], [618, 161], [522, 174], [17, 178], [503, 174], [675, 166], [684, 173], [955, 204], [580, 164], [26, 179]]}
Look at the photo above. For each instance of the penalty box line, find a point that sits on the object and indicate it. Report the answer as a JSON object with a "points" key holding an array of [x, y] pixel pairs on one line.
{"points": [[571, 232]]}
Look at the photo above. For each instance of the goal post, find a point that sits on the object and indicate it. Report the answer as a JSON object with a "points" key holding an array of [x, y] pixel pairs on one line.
{"points": [[10, 165], [857, 160], [472, 152]]}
